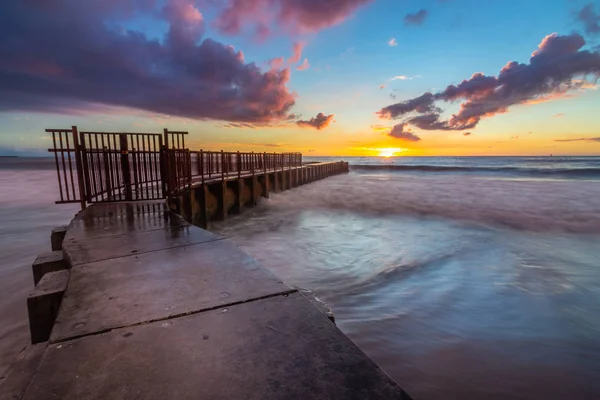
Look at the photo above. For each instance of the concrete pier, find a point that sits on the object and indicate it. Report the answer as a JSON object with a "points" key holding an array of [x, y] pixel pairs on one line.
{"points": [[214, 199], [157, 308]]}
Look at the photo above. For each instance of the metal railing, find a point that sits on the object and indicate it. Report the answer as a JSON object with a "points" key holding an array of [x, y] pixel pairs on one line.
{"points": [[215, 165], [97, 167]]}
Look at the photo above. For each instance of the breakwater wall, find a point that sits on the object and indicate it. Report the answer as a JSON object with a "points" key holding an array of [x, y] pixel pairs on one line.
{"points": [[214, 199]]}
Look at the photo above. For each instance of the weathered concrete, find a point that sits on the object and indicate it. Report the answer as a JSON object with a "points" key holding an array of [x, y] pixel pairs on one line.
{"points": [[160, 284], [57, 236], [156, 308], [122, 218], [275, 348], [16, 380], [120, 245], [43, 304], [46, 263]]}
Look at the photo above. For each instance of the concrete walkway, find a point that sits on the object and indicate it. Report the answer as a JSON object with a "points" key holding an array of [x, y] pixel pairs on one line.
{"points": [[156, 308]]}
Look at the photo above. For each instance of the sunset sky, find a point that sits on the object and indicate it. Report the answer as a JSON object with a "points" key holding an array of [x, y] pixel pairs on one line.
{"points": [[343, 77]]}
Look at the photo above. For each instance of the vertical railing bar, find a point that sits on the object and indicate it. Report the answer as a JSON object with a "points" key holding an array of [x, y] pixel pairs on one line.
{"points": [[153, 174], [110, 168], [119, 167], [147, 167], [125, 165], [155, 163], [80, 169], [60, 190], [70, 165], [222, 166], [162, 168], [115, 164], [201, 170], [85, 166], [136, 165], [105, 192], [146, 146], [62, 156], [98, 168]]}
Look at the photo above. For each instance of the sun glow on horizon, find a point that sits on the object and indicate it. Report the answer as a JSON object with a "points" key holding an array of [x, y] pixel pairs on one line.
{"points": [[390, 151]]}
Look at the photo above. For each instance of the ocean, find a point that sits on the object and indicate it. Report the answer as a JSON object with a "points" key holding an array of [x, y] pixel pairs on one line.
{"points": [[462, 277]]}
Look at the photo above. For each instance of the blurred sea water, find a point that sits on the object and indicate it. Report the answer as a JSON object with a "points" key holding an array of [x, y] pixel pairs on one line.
{"points": [[462, 277]]}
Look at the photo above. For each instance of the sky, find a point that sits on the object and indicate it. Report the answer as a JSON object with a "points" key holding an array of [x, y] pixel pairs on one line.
{"points": [[337, 77]]}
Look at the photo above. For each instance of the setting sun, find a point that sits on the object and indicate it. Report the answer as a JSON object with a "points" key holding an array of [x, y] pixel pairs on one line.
{"points": [[390, 151]]}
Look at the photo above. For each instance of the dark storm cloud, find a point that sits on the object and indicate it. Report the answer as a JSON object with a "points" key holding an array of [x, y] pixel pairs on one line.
{"points": [[558, 66], [416, 18], [319, 122], [67, 56]]}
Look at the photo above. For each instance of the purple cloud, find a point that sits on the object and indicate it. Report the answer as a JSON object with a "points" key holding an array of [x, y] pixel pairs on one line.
{"points": [[295, 15], [401, 132], [66, 55], [557, 67], [416, 18], [590, 19], [319, 122]]}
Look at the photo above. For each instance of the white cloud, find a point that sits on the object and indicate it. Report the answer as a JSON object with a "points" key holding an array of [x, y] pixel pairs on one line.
{"points": [[405, 78]]}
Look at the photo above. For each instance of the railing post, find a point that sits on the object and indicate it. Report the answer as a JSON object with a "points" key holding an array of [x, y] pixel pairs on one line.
{"points": [[125, 169], [222, 166], [163, 171], [239, 165], [201, 170], [79, 166], [265, 163], [84, 162], [170, 166]]}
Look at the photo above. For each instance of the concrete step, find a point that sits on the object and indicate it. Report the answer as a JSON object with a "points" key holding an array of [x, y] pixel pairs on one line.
{"points": [[57, 236], [48, 262], [43, 304]]}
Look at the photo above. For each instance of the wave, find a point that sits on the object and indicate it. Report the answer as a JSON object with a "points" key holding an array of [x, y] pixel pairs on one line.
{"points": [[540, 205], [571, 172]]}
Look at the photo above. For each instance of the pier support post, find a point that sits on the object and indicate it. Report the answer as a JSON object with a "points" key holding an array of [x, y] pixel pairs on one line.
{"points": [[256, 189], [238, 189], [277, 182], [264, 182], [219, 190], [283, 183], [200, 213]]}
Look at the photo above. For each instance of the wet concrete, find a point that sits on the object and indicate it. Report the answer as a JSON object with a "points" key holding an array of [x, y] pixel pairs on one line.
{"points": [[276, 348], [158, 285], [156, 308]]}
